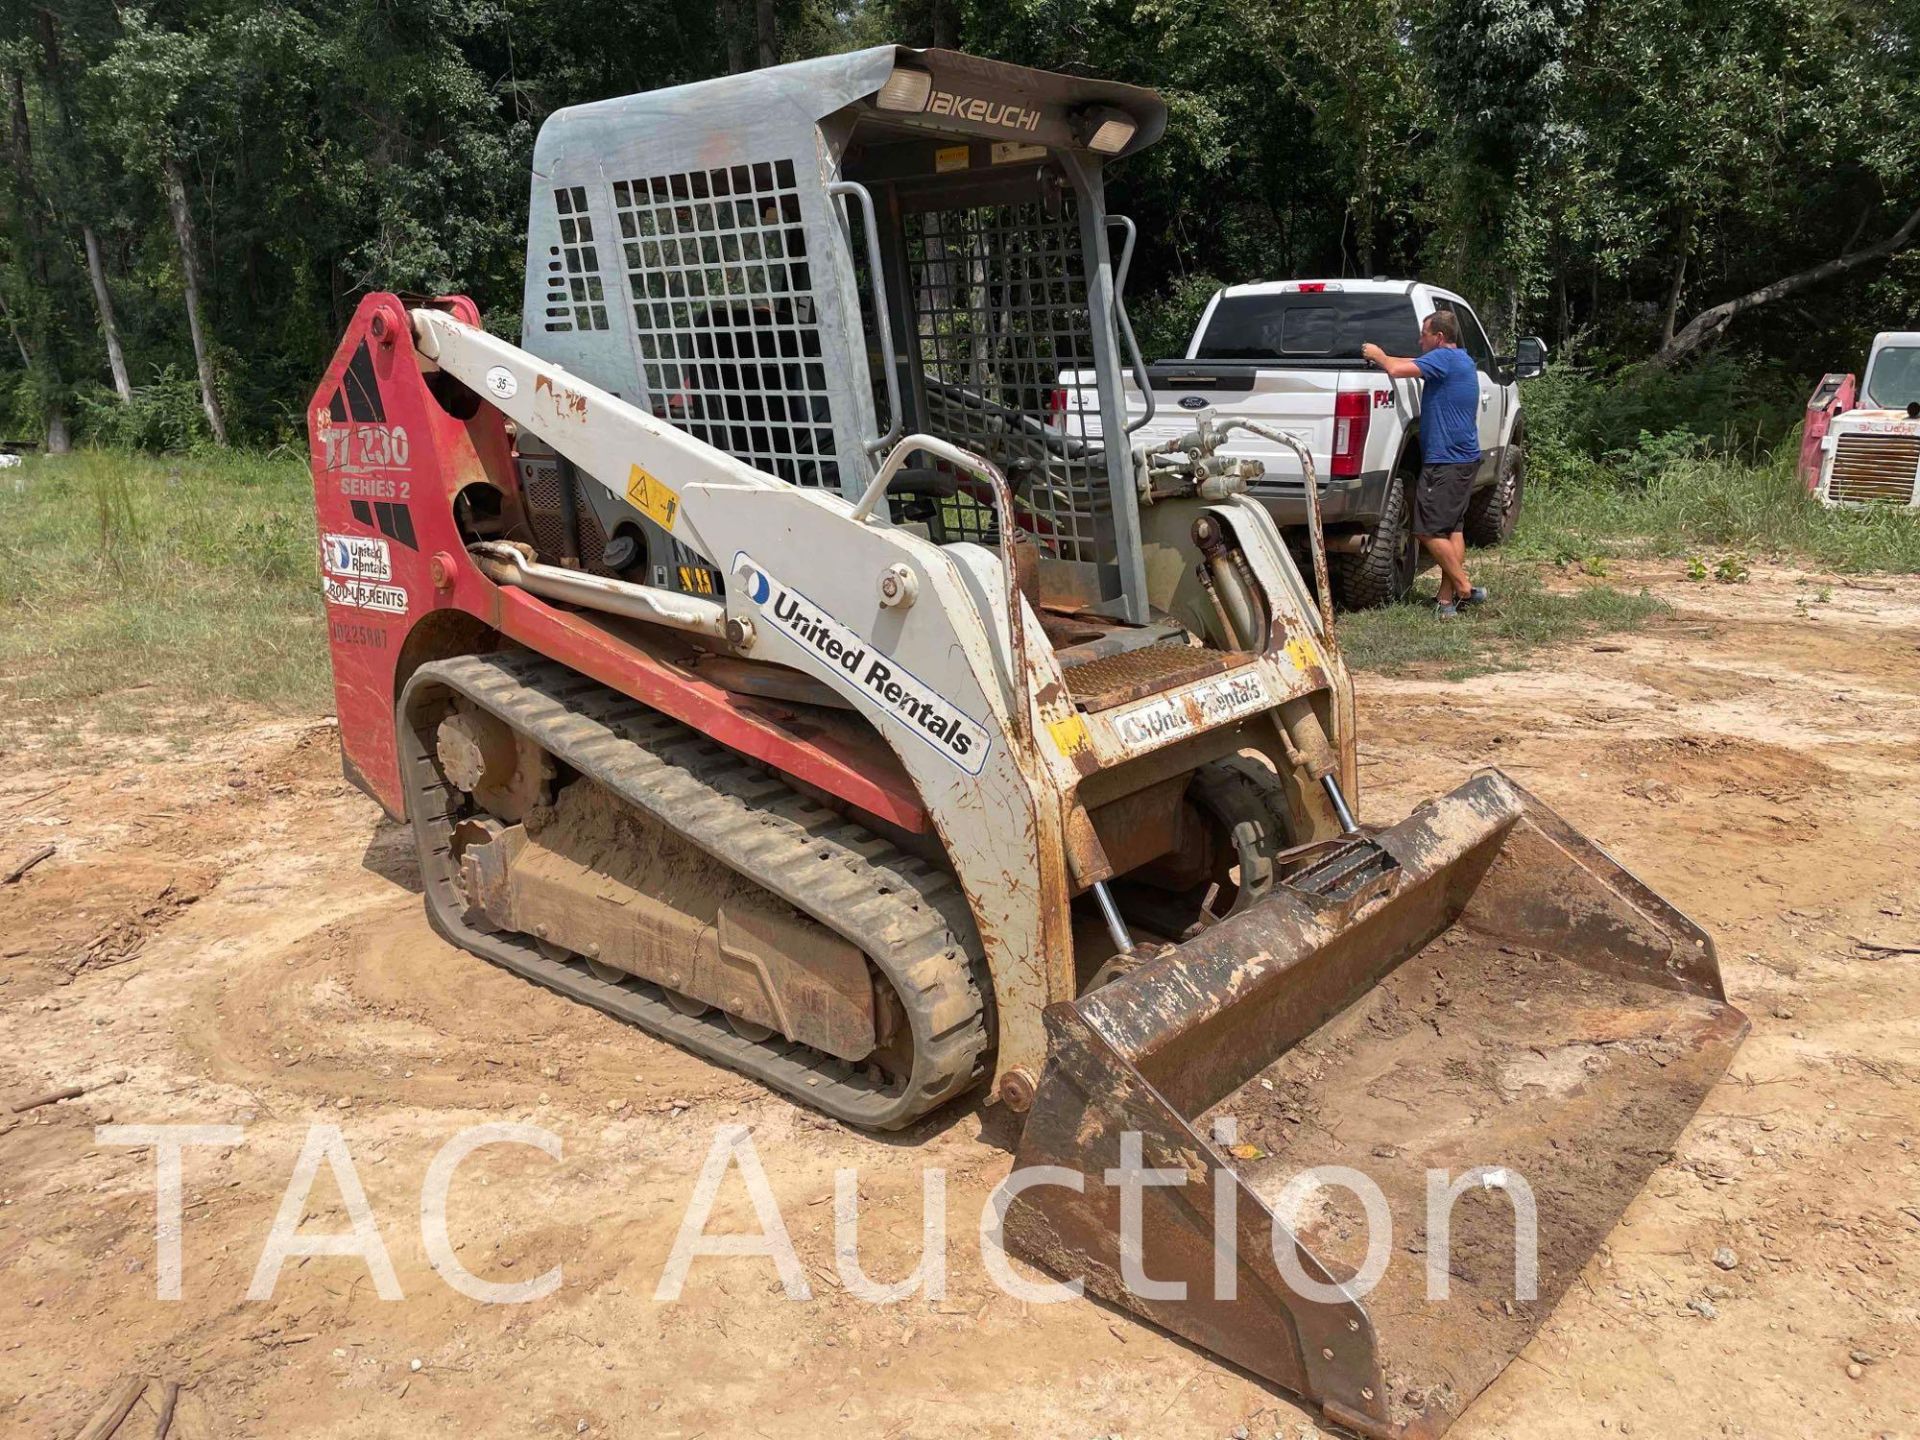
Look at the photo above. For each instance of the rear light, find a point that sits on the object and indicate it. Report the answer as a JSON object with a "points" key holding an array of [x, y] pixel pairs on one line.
{"points": [[1352, 414], [1313, 287], [1057, 410]]}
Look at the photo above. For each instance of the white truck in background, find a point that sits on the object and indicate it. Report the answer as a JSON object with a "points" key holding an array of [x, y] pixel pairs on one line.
{"points": [[1287, 353]]}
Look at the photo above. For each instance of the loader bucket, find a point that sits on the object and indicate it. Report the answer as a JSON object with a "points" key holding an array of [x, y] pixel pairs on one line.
{"points": [[1477, 986]]}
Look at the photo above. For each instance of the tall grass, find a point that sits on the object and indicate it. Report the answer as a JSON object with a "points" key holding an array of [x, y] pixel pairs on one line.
{"points": [[138, 588], [1677, 462], [1734, 406], [1669, 498]]}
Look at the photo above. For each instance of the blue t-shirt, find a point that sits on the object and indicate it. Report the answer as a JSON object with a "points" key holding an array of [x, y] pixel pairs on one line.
{"points": [[1449, 406]]}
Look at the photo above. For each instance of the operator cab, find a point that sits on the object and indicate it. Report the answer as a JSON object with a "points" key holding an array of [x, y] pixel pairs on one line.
{"points": [[803, 264]]}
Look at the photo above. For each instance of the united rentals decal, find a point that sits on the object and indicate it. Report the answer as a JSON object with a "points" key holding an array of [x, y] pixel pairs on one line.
{"points": [[364, 595], [891, 686], [1184, 712], [356, 557]]}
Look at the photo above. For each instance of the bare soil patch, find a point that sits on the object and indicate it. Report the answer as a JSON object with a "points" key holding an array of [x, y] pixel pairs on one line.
{"points": [[1755, 758]]}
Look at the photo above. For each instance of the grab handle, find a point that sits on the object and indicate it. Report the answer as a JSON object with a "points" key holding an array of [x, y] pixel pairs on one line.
{"points": [[996, 484], [1126, 326], [882, 314]]}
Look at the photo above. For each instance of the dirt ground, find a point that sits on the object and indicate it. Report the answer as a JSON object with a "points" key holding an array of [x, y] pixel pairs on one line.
{"points": [[240, 932]]}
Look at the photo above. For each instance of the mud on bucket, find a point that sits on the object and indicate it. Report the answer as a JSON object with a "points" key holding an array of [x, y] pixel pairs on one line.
{"points": [[1476, 1030]]}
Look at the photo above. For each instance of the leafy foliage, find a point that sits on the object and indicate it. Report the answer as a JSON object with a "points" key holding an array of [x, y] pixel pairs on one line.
{"points": [[1594, 172]]}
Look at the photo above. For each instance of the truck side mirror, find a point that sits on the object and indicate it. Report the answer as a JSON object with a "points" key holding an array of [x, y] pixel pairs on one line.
{"points": [[1529, 357]]}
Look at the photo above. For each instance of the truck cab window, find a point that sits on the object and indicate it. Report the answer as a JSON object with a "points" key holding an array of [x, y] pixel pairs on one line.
{"points": [[1472, 338], [1308, 330], [1324, 326], [1894, 381]]}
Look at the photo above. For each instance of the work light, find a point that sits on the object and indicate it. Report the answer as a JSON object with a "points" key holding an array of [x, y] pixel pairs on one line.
{"points": [[906, 89], [1105, 129]]}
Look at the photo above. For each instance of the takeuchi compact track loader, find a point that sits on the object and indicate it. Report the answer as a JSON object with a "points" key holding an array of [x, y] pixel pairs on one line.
{"points": [[761, 653]]}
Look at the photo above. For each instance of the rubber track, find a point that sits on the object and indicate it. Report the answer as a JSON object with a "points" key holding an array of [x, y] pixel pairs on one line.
{"points": [[908, 917]]}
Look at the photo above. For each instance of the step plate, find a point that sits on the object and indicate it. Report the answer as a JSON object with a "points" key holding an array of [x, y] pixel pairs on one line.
{"points": [[1115, 679]]}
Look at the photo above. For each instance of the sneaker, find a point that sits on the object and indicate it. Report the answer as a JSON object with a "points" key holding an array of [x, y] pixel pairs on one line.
{"points": [[1446, 610], [1476, 596]]}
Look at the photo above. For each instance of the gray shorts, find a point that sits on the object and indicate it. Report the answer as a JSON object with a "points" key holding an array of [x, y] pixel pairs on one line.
{"points": [[1440, 497]]}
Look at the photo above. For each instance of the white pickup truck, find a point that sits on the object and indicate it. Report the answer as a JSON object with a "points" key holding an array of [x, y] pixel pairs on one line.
{"points": [[1287, 353]]}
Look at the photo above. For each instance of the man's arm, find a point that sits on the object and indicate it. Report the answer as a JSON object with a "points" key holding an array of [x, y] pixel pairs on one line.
{"points": [[1396, 367]]}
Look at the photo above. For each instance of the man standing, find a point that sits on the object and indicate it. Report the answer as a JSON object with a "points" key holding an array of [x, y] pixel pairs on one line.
{"points": [[1449, 451]]}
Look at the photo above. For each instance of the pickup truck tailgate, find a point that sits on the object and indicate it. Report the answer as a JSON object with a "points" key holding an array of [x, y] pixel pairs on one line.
{"points": [[1297, 401]]}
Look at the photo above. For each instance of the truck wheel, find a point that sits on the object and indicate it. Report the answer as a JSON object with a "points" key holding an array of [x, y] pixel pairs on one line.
{"points": [[1382, 573], [1492, 512]]}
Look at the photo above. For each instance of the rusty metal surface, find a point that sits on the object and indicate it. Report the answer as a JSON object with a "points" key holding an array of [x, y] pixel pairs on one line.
{"points": [[1079, 638], [1087, 860], [1069, 585], [1146, 824], [1876, 468], [1114, 679], [1483, 888], [1475, 1053]]}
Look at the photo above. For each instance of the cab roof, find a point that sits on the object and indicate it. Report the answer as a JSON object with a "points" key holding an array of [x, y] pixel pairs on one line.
{"points": [[763, 109]]}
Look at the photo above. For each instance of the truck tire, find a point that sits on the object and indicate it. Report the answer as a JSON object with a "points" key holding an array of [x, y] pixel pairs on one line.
{"points": [[1493, 512], [1382, 574]]}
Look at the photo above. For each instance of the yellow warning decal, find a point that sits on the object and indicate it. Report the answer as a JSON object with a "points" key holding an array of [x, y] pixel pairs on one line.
{"points": [[952, 157], [1070, 734], [1302, 652], [652, 497]]}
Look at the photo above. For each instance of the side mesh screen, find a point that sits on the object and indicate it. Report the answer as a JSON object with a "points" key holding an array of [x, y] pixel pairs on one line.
{"points": [[576, 299], [724, 311], [1000, 310]]}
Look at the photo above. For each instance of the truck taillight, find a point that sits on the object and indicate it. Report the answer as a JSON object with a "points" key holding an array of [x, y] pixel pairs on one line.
{"points": [[1352, 413], [1057, 410]]}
